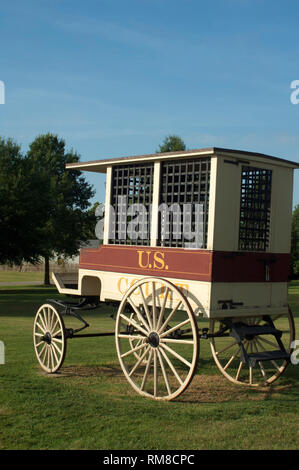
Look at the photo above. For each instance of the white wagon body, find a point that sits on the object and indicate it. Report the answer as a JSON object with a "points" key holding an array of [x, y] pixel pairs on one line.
{"points": [[263, 273]]}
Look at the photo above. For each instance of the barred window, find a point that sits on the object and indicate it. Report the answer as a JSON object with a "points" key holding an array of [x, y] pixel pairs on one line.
{"points": [[184, 203], [255, 209], [131, 199]]}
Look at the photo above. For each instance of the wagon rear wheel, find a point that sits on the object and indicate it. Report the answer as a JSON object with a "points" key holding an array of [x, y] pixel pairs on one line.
{"points": [[227, 352], [49, 338], [157, 339]]}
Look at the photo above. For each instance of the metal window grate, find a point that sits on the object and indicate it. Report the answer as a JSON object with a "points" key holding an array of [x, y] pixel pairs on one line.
{"points": [[131, 184], [255, 209], [184, 187]]}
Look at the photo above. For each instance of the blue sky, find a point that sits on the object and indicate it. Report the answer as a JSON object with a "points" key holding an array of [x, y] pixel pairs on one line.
{"points": [[113, 78]]}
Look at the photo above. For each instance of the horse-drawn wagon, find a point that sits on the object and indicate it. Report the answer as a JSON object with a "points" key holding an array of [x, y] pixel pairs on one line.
{"points": [[186, 235]]}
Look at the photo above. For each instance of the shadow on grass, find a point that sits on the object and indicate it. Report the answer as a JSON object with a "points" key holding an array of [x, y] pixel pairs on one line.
{"points": [[28, 291], [204, 388], [74, 372]]}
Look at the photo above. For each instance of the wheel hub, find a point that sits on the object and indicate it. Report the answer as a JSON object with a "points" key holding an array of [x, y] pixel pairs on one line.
{"points": [[47, 338], [154, 339], [249, 337]]}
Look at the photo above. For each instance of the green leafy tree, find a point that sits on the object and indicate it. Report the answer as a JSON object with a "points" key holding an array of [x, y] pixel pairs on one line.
{"points": [[295, 243], [20, 207], [65, 197], [171, 143], [97, 212]]}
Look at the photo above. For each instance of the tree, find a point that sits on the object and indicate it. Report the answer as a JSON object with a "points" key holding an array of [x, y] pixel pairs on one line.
{"points": [[295, 243], [20, 206], [171, 143], [65, 197]]}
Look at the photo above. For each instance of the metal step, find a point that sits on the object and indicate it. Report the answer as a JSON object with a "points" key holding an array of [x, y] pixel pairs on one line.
{"points": [[255, 330], [267, 356]]}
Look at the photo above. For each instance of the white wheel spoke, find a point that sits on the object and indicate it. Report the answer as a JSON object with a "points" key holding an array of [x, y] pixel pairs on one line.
{"points": [[45, 352], [44, 331], [259, 362], [262, 347], [45, 319], [57, 348], [53, 327], [57, 340], [178, 341], [164, 372], [239, 370], [138, 343], [170, 317], [180, 325], [131, 351], [42, 350], [227, 347], [54, 352], [229, 362], [171, 366], [276, 365], [49, 320], [139, 316], [155, 374], [57, 332], [51, 356], [44, 328], [154, 310], [123, 335], [48, 357], [146, 370], [250, 375], [175, 354], [147, 313], [130, 321], [262, 370], [264, 340], [162, 309], [139, 361]]}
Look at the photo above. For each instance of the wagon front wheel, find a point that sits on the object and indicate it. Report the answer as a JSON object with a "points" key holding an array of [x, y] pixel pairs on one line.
{"points": [[49, 338], [157, 339]]}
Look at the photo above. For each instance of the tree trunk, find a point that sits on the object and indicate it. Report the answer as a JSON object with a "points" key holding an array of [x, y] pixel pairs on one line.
{"points": [[47, 271]]}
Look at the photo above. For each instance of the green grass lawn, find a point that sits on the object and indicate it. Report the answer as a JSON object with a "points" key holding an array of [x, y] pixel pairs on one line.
{"points": [[90, 405], [15, 276]]}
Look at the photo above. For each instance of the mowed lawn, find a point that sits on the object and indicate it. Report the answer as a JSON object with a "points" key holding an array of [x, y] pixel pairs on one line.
{"points": [[15, 276], [90, 405]]}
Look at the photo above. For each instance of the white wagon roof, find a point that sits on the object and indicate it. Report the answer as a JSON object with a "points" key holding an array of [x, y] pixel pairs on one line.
{"points": [[242, 156]]}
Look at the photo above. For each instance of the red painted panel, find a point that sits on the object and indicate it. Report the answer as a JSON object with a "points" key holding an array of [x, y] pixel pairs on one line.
{"points": [[250, 267], [168, 262], [201, 265]]}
